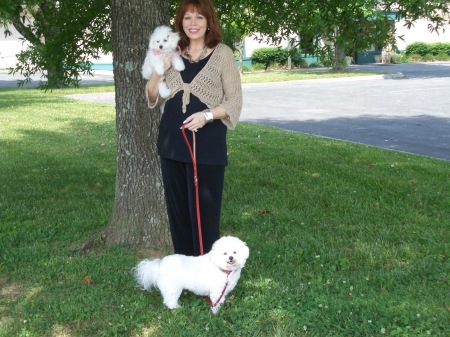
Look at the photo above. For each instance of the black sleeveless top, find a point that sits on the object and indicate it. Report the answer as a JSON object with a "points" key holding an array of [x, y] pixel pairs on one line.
{"points": [[211, 147]]}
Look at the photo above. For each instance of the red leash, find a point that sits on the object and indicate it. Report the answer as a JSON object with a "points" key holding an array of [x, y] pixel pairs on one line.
{"points": [[197, 202], [197, 199]]}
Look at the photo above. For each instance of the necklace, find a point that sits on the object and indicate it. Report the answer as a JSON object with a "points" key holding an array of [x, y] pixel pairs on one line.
{"points": [[202, 54]]}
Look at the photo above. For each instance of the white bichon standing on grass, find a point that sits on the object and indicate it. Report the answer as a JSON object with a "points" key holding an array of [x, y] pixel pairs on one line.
{"points": [[163, 41], [214, 274]]}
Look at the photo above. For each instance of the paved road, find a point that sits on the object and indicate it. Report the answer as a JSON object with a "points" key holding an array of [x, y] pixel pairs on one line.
{"points": [[407, 110]]}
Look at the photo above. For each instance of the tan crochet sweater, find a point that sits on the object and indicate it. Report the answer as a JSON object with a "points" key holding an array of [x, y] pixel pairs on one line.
{"points": [[218, 83]]}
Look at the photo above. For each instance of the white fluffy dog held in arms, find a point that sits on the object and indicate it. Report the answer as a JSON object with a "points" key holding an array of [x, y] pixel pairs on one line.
{"points": [[214, 274], [163, 41]]}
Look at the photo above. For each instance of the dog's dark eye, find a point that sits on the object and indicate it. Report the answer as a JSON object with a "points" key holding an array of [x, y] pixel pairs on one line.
{"points": [[234, 253], [225, 253], [165, 40]]}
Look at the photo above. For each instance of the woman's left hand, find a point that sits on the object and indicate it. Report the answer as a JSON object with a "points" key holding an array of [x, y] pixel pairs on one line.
{"points": [[195, 121]]}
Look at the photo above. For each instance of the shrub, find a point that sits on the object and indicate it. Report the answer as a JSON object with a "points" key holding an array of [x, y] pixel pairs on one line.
{"points": [[268, 56], [258, 66], [420, 48], [425, 49], [442, 57], [315, 65], [396, 58], [300, 62], [414, 58], [439, 48]]}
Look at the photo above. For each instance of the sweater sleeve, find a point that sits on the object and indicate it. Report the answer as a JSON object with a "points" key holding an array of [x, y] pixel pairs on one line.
{"points": [[231, 81]]}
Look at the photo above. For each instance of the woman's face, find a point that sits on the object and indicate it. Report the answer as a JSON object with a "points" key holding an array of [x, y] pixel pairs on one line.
{"points": [[194, 25]]}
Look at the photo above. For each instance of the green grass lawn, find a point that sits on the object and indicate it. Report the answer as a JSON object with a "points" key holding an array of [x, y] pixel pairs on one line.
{"points": [[345, 239], [302, 74]]}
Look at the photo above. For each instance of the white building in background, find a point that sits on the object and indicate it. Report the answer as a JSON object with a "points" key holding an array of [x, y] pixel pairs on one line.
{"points": [[10, 46], [419, 33]]}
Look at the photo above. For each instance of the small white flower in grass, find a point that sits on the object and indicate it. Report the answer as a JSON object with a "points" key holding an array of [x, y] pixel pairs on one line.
{"points": [[320, 305], [305, 327], [317, 256], [383, 331], [369, 321], [428, 332], [418, 315]]}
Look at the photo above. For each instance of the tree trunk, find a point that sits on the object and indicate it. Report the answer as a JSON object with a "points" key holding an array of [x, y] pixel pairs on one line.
{"points": [[139, 216], [339, 58]]}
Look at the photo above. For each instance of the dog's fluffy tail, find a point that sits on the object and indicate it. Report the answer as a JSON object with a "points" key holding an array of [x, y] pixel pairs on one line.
{"points": [[146, 273]]}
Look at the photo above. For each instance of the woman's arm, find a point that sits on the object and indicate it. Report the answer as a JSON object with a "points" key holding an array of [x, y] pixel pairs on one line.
{"points": [[151, 90]]}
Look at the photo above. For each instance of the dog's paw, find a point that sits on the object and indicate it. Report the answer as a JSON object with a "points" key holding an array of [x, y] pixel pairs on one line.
{"points": [[215, 309], [172, 306], [178, 63], [147, 68], [146, 73], [159, 68]]}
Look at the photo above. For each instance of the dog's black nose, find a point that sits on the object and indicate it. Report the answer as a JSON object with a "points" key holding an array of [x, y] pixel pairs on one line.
{"points": [[161, 46], [231, 258]]}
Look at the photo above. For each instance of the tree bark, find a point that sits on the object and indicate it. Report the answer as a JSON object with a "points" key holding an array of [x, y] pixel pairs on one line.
{"points": [[139, 216]]}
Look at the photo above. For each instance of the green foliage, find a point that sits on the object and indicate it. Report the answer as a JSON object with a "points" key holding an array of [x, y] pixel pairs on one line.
{"points": [[440, 48], [268, 56], [396, 59], [258, 66], [277, 58], [424, 49], [81, 28], [63, 37], [343, 247], [427, 52], [420, 48]]}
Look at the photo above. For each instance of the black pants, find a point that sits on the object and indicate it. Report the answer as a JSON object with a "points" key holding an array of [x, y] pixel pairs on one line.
{"points": [[179, 187]]}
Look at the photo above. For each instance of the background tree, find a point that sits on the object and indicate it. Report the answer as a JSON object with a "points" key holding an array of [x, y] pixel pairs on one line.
{"points": [[63, 36], [346, 26]]}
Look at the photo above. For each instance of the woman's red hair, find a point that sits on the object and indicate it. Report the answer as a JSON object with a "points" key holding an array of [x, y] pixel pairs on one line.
{"points": [[206, 8]]}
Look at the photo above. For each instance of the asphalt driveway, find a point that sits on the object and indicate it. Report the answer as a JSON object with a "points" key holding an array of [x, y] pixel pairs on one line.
{"points": [[407, 112]]}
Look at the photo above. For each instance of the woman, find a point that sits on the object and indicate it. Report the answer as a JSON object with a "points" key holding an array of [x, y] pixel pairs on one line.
{"points": [[207, 99]]}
